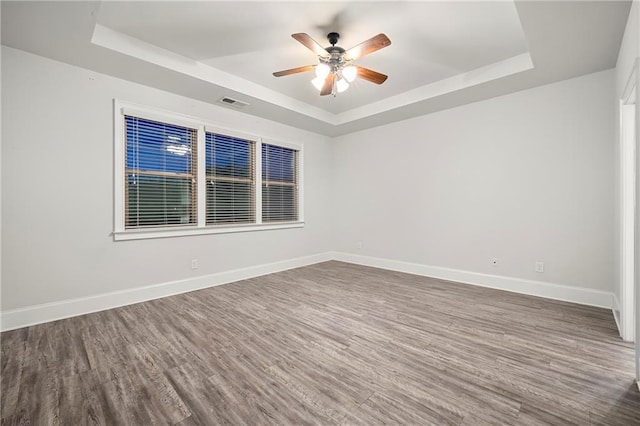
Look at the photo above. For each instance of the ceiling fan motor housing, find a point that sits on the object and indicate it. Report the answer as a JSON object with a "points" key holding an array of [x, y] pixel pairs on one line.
{"points": [[336, 52], [336, 60]]}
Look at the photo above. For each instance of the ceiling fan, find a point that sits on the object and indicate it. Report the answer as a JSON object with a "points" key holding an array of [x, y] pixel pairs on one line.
{"points": [[336, 68]]}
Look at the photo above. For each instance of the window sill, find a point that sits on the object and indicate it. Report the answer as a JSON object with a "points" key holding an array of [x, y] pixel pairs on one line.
{"points": [[142, 234]]}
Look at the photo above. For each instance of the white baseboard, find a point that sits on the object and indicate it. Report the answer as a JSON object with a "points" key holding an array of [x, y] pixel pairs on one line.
{"points": [[38, 314], [615, 308], [47, 312], [583, 296]]}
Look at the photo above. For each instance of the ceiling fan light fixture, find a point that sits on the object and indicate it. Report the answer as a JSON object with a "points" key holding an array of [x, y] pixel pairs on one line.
{"points": [[322, 70], [342, 85], [350, 73], [318, 82], [335, 70]]}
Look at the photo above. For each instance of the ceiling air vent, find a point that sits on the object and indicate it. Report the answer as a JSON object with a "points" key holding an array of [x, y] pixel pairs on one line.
{"points": [[232, 102]]}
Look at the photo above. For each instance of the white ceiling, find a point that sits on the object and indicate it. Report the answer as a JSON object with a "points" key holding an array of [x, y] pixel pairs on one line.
{"points": [[430, 41], [442, 54]]}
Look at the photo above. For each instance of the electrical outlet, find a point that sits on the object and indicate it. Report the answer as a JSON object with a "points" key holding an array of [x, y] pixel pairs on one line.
{"points": [[540, 267], [359, 245], [194, 263], [494, 261]]}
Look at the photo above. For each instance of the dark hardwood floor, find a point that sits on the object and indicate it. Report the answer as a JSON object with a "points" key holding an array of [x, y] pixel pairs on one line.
{"points": [[331, 343]]}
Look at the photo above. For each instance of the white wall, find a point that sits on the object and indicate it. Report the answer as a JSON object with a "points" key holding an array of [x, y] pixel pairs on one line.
{"points": [[525, 177], [57, 189], [629, 51]]}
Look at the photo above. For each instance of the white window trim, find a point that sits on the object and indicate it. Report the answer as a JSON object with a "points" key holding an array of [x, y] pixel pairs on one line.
{"points": [[122, 108]]}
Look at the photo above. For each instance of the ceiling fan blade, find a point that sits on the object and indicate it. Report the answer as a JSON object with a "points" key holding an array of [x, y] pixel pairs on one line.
{"points": [[311, 44], [366, 47], [370, 75], [328, 85], [294, 70]]}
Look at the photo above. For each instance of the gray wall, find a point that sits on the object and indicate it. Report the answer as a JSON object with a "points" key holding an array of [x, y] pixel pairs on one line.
{"points": [[57, 190], [523, 178]]}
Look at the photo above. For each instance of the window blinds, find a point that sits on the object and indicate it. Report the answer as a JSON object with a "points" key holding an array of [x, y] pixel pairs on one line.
{"points": [[162, 185], [230, 171], [279, 184], [160, 174]]}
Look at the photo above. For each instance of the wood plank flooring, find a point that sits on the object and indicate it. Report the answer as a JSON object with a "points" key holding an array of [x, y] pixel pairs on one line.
{"points": [[331, 343]]}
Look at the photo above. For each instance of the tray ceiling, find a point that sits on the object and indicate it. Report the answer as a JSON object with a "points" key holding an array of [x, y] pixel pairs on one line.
{"points": [[442, 53]]}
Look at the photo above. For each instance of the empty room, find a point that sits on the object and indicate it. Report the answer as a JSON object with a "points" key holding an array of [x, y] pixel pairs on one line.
{"points": [[323, 213]]}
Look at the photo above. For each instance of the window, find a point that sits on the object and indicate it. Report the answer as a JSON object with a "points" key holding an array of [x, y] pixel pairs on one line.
{"points": [[279, 184], [160, 174], [230, 180], [177, 175]]}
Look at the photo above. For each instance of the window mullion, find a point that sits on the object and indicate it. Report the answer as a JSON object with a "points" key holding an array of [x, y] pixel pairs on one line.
{"points": [[299, 200], [201, 179], [258, 180]]}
